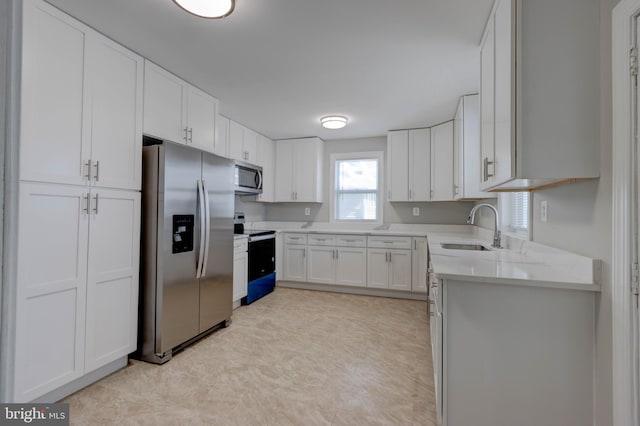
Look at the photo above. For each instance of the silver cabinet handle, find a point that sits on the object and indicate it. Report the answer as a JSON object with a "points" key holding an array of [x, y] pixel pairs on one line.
{"points": [[337, 255], [87, 201], [485, 166], [191, 134], [95, 209], [390, 260], [304, 252], [96, 177], [88, 166], [186, 132], [410, 194]]}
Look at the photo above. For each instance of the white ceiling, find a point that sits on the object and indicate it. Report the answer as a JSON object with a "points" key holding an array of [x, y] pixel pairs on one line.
{"points": [[277, 66]]}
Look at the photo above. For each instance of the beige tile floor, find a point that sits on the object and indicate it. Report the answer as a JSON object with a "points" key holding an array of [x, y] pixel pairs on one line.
{"points": [[295, 357]]}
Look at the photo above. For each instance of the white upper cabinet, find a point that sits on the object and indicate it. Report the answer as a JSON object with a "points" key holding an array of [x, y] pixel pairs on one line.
{"points": [[81, 118], [466, 150], [442, 162], [221, 147], [243, 143], [202, 110], [540, 122], [266, 154], [115, 87], [298, 171], [177, 111], [408, 165]]}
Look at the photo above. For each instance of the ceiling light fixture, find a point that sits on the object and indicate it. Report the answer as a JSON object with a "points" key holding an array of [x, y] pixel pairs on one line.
{"points": [[334, 121], [212, 9]]}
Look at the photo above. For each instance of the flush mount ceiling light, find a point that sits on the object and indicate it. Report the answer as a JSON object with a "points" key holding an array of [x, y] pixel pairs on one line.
{"points": [[334, 121], [207, 8]]}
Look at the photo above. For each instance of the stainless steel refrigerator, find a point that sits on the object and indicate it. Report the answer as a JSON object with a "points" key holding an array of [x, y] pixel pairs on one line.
{"points": [[187, 247]]}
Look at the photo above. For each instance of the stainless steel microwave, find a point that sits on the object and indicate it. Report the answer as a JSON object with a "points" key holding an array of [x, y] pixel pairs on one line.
{"points": [[248, 178]]}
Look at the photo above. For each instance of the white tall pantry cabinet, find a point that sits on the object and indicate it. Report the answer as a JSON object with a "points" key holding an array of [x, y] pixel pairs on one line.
{"points": [[79, 204]]}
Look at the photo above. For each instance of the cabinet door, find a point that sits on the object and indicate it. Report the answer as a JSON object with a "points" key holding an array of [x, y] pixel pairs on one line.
{"points": [[202, 110], [351, 266], [52, 143], [419, 265], [51, 288], [307, 159], [397, 170], [250, 146], [458, 155], [400, 269], [266, 149], [504, 91], [240, 268], [285, 166], [378, 268], [115, 116], [419, 165], [320, 264], [487, 99], [295, 263], [442, 162], [164, 104], [112, 283], [221, 147], [236, 135]]}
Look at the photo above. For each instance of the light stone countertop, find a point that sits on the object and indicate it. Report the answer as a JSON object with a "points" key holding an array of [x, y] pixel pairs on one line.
{"points": [[519, 263]]}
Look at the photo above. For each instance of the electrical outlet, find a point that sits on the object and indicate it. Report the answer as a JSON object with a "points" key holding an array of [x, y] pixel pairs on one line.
{"points": [[307, 211], [416, 211], [543, 211]]}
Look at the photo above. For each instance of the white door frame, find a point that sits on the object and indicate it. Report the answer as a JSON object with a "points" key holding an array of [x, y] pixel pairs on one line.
{"points": [[624, 399]]}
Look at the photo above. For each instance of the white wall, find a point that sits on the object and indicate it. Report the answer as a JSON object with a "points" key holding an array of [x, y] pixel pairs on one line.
{"points": [[443, 212], [4, 36]]}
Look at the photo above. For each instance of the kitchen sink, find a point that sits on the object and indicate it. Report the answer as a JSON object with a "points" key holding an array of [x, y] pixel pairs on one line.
{"points": [[458, 246]]}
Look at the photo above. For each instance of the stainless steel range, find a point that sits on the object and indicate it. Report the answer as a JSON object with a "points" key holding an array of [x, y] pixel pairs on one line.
{"points": [[262, 260]]}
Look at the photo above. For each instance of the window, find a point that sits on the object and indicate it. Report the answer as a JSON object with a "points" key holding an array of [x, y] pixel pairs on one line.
{"points": [[515, 211], [356, 186]]}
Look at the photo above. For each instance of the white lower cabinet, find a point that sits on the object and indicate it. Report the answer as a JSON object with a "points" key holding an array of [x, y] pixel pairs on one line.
{"points": [[389, 262], [377, 262], [389, 268], [419, 265], [240, 268], [77, 283], [337, 259], [295, 257]]}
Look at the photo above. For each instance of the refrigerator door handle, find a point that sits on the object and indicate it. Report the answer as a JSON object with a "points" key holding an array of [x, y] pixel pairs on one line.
{"points": [[202, 203], [207, 228]]}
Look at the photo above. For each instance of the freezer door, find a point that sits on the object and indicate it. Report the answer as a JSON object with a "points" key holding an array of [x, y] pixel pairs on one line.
{"points": [[216, 286], [177, 319]]}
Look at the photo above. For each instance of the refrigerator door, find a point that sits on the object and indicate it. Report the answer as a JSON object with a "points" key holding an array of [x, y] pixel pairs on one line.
{"points": [[216, 285], [180, 236]]}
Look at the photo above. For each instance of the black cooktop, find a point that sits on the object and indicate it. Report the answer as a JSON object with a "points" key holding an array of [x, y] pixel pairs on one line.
{"points": [[254, 232]]}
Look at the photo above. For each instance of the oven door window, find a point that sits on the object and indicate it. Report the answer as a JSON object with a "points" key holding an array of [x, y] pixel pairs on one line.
{"points": [[262, 258]]}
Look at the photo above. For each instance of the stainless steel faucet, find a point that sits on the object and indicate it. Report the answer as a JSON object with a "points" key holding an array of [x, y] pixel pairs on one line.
{"points": [[496, 233]]}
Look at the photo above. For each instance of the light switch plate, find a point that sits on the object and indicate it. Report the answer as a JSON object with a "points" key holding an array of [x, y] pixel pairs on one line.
{"points": [[307, 211], [416, 211]]}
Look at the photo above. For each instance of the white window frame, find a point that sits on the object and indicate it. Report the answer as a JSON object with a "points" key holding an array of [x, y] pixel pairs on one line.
{"points": [[506, 209], [377, 155]]}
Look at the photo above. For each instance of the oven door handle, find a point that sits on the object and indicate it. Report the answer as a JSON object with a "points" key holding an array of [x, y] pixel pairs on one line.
{"points": [[207, 228], [262, 237], [202, 208]]}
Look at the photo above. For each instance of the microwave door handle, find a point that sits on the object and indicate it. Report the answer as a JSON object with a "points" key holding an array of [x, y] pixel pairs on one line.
{"points": [[259, 179], [207, 228], [201, 205]]}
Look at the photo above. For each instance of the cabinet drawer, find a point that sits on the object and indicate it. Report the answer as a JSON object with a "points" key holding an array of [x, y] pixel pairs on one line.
{"points": [[321, 239], [382, 241], [351, 241], [240, 244], [294, 238]]}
